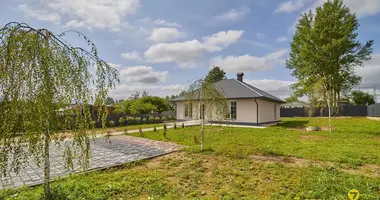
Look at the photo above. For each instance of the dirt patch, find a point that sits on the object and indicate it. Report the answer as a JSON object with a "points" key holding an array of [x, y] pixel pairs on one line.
{"points": [[302, 129], [370, 170], [313, 137]]}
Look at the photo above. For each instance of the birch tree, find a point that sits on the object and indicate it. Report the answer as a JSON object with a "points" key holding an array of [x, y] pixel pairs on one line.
{"points": [[42, 79], [210, 103], [325, 50]]}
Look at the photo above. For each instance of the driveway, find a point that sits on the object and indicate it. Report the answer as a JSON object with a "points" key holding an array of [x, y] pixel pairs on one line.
{"points": [[105, 153]]}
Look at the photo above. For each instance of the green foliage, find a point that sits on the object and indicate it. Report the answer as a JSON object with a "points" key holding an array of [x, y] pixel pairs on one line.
{"points": [[130, 120], [325, 51], [165, 127], [362, 98], [215, 74], [154, 129], [142, 105], [175, 126], [163, 118], [157, 119], [183, 125], [40, 76], [152, 119], [138, 120], [143, 121], [159, 103], [121, 121], [109, 101], [138, 106], [111, 123]]}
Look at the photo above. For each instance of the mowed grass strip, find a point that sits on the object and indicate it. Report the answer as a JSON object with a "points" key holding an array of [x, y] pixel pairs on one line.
{"points": [[355, 141]]}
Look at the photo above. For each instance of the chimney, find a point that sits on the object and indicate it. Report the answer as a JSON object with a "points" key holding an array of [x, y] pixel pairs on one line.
{"points": [[240, 76]]}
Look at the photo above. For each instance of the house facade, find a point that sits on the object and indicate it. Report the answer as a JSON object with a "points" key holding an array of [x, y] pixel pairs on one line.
{"points": [[247, 105]]}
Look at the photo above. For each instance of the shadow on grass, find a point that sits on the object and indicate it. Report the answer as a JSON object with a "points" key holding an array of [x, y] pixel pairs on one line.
{"points": [[293, 124]]}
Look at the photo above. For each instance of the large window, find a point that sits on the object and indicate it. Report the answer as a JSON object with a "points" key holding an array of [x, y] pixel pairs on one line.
{"points": [[188, 110], [233, 110]]}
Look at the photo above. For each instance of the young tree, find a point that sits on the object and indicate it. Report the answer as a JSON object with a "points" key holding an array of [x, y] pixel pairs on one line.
{"points": [[209, 102], [40, 77], [110, 101], [325, 50], [215, 74], [362, 98]]}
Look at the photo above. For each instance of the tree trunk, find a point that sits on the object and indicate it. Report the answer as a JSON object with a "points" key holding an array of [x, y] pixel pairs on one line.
{"points": [[47, 166], [329, 108], [203, 134]]}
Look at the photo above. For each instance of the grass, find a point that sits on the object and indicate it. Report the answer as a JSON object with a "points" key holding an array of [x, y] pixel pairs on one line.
{"points": [[226, 170], [355, 141]]}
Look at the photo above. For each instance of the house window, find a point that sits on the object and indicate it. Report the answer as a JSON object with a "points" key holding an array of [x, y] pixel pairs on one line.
{"points": [[275, 111], [188, 110], [233, 110]]}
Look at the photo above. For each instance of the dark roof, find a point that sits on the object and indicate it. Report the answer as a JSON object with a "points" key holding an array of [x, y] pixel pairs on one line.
{"points": [[234, 89]]}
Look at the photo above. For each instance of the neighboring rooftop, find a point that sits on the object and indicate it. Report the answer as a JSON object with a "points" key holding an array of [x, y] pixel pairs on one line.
{"points": [[236, 89]]}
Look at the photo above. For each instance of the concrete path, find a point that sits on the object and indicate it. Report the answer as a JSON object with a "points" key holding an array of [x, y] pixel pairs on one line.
{"points": [[105, 153]]}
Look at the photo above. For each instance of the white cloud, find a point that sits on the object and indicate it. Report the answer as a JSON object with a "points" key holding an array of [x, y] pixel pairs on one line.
{"points": [[188, 53], [282, 39], [41, 15], [278, 88], [291, 6], [124, 91], [370, 72], [224, 38], [162, 22], [184, 53], [143, 75], [134, 55], [166, 34], [102, 14], [249, 63], [234, 14]]}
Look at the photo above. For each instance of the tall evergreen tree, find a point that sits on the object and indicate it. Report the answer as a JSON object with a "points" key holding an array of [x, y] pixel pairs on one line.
{"points": [[215, 74]]}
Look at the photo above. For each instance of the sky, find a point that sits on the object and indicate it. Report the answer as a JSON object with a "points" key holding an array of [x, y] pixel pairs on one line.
{"points": [[161, 46]]}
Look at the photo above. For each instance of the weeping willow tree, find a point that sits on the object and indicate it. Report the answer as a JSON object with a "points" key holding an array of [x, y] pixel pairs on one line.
{"points": [[46, 87], [207, 101]]}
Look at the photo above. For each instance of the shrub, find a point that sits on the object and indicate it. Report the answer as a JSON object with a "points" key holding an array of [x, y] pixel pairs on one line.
{"points": [[141, 132], [143, 120], [164, 134], [151, 119], [111, 123], [138, 120], [130, 120], [183, 125], [157, 119], [154, 129], [121, 121], [93, 123], [163, 118], [175, 126], [174, 118], [165, 127]]}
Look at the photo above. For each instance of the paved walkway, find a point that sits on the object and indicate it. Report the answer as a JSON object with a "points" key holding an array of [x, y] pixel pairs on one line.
{"points": [[105, 153]]}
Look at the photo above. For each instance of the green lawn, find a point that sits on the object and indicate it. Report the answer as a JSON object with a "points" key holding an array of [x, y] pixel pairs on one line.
{"points": [[226, 169]]}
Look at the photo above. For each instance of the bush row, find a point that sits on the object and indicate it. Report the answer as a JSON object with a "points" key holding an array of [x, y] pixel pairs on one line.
{"points": [[139, 120]]}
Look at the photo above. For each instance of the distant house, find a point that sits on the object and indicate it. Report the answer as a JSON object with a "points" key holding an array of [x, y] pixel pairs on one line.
{"points": [[248, 104], [295, 104]]}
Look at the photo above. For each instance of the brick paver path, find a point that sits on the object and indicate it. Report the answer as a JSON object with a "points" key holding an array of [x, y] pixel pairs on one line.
{"points": [[105, 153]]}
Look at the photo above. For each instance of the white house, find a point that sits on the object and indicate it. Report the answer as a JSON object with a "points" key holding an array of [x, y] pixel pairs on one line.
{"points": [[248, 105]]}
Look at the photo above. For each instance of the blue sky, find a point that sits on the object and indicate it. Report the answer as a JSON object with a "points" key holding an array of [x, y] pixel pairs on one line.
{"points": [[161, 46]]}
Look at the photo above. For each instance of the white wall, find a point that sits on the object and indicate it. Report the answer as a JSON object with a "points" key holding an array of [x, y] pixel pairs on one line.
{"points": [[266, 111], [246, 111]]}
